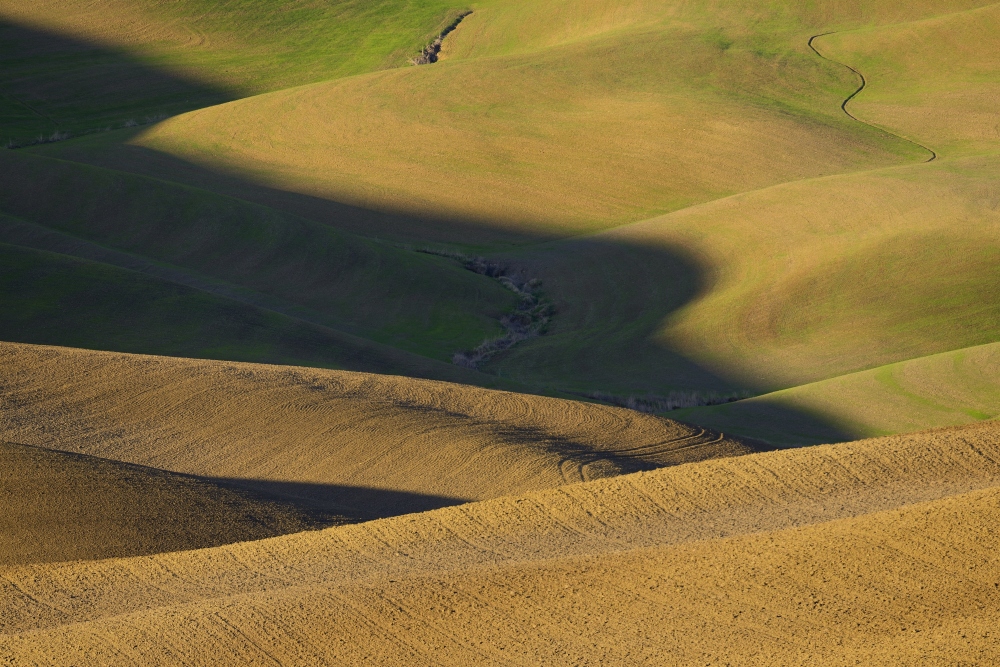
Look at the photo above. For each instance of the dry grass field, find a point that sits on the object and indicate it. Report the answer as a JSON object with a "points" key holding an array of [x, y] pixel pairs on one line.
{"points": [[517, 332]]}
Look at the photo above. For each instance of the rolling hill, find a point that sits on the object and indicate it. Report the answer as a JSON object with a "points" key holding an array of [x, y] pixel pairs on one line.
{"points": [[769, 267], [315, 349], [939, 390], [359, 444], [798, 555], [260, 257], [122, 63], [774, 288], [58, 506]]}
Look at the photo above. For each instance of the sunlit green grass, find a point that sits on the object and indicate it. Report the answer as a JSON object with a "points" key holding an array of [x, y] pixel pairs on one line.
{"points": [[946, 389], [66, 66], [680, 176]]}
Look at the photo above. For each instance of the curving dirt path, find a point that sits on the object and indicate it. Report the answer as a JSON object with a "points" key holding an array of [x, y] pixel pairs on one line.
{"points": [[864, 82]]}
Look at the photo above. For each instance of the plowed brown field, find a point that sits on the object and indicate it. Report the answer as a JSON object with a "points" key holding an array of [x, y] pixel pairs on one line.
{"points": [[875, 552], [355, 443], [56, 506]]}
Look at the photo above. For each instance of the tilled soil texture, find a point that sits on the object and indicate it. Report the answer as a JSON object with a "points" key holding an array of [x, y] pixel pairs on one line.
{"points": [[356, 444], [56, 506], [875, 552]]}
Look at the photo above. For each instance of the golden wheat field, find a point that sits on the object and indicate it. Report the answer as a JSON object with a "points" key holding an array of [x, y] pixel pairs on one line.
{"points": [[514, 332]]}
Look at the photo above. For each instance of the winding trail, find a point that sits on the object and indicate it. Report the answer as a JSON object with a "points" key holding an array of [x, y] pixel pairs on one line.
{"points": [[864, 83]]}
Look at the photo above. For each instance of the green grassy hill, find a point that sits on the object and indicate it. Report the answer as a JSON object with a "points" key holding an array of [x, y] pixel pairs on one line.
{"points": [[414, 301], [958, 387], [585, 134], [777, 287], [704, 211], [57, 299], [73, 66], [935, 81]]}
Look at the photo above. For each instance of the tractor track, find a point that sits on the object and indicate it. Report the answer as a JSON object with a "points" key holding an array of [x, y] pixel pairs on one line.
{"points": [[574, 466]]}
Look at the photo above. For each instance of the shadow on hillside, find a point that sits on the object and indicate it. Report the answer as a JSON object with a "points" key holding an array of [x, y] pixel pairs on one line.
{"points": [[52, 83], [399, 226], [611, 297], [334, 503]]}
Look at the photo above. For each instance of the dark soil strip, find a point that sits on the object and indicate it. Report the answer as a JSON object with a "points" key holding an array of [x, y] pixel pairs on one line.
{"points": [[430, 53], [850, 97]]}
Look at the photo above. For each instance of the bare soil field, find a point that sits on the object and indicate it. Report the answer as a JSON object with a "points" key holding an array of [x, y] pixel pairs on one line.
{"points": [[56, 506], [879, 551], [358, 444]]}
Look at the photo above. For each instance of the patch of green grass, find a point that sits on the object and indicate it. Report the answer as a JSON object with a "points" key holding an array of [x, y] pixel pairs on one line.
{"points": [[54, 299], [64, 67], [945, 389], [579, 136], [419, 303]]}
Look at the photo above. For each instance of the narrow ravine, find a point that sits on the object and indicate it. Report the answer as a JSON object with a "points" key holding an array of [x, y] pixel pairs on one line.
{"points": [[430, 53], [529, 319]]}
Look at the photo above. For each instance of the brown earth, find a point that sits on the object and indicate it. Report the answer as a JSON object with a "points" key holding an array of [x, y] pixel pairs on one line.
{"points": [[356, 444], [875, 552], [56, 506]]}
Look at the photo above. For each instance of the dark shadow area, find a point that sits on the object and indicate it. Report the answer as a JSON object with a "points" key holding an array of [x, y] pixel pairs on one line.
{"points": [[58, 506], [334, 503], [611, 297], [52, 84], [766, 421], [113, 152], [56, 299]]}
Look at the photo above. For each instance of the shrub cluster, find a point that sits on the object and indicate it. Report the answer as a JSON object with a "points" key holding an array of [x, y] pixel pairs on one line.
{"points": [[675, 400], [530, 318], [59, 135]]}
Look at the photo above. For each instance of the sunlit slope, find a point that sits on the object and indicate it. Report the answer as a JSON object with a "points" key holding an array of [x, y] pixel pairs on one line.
{"points": [[510, 26], [775, 288], [936, 81], [74, 65], [358, 443], [609, 124], [56, 506], [879, 551], [956, 387], [419, 303]]}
